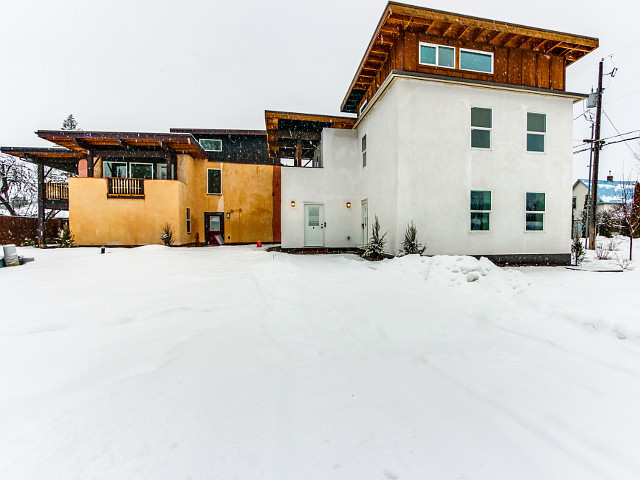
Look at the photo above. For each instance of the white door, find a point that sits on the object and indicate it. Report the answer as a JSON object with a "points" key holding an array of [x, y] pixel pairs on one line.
{"points": [[364, 220], [313, 225]]}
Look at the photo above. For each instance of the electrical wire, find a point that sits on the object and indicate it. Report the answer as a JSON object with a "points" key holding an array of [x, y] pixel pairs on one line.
{"points": [[616, 129]]}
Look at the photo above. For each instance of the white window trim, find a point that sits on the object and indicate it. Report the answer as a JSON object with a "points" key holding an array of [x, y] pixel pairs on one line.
{"points": [[481, 52], [209, 149], [364, 151], [480, 211], [188, 220], [543, 212], [111, 161], [436, 45], [544, 135], [490, 129], [159, 167], [208, 192]]}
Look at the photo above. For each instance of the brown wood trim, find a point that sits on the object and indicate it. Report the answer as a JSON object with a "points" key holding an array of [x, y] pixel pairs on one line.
{"points": [[276, 223]]}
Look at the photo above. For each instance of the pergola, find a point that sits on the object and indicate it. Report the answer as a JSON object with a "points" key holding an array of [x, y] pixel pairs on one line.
{"points": [[297, 135]]}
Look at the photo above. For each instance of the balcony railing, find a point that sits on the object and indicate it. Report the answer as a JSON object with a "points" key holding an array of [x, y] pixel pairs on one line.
{"points": [[126, 187], [56, 191]]}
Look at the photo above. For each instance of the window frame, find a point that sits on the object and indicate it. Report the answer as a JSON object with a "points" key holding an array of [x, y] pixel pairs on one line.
{"points": [[482, 52], [126, 166], [437, 47], [542, 134], [131, 164], [363, 146], [159, 167], [214, 193], [480, 211], [472, 127], [213, 140], [542, 212], [188, 212]]}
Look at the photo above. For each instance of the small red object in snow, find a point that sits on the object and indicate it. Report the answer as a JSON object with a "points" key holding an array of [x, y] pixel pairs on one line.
{"points": [[258, 244]]}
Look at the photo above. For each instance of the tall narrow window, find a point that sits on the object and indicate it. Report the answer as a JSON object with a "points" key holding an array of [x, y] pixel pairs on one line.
{"points": [[536, 129], [162, 171], [364, 151], [188, 220], [534, 216], [480, 209], [481, 127], [476, 61], [214, 181], [437, 55]]}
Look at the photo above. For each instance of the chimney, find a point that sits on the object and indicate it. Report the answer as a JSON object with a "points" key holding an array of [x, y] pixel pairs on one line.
{"points": [[609, 177]]}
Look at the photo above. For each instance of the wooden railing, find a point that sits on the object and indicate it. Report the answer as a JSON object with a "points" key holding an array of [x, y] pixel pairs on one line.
{"points": [[126, 187], [56, 191]]}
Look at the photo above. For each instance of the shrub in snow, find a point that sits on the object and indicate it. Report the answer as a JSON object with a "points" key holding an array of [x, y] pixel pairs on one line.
{"points": [[28, 242], [623, 262], [374, 250], [65, 237], [410, 243], [167, 235], [602, 251], [577, 249]]}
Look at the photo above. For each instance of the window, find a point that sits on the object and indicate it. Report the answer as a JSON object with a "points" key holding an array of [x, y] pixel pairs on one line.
{"points": [[114, 170], [162, 171], [536, 129], [574, 202], [476, 61], [480, 209], [141, 170], [188, 220], [211, 144], [437, 55], [534, 216], [481, 127], [214, 181], [364, 151]]}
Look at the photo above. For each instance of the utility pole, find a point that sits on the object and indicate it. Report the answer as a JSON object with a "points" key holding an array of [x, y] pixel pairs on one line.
{"points": [[596, 160]]}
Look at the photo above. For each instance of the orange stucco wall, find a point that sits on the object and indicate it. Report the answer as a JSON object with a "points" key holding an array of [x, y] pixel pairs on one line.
{"points": [[247, 196]]}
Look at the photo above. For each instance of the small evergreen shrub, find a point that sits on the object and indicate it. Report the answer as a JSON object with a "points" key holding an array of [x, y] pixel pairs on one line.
{"points": [[28, 242], [167, 235], [65, 238], [577, 250], [374, 250], [410, 244]]}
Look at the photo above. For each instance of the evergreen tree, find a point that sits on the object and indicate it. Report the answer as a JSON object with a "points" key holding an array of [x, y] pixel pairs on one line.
{"points": [[410, 243], [65, 237], [577, 249], [70, 123], [374, 250], [167, 235]]}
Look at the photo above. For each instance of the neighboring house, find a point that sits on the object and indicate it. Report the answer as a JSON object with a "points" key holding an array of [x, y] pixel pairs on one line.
{"points": [[611, 194], [463, 127], [212, 186]]}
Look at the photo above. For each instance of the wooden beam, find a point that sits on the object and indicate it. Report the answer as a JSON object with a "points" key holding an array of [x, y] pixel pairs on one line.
{"points": [[291, 154], [294, 134], [41, 219]]}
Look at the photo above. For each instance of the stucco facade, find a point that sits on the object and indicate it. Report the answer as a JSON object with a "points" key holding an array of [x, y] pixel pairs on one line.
{"points": [[421, 167]]}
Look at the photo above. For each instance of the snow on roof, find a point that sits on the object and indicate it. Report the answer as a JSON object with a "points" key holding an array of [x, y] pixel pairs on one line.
{"points": [[611, 191]]}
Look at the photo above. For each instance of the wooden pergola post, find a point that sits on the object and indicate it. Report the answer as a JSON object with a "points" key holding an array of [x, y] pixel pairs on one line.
{"points": [[89, 164], [298, 162], [41, 220]]}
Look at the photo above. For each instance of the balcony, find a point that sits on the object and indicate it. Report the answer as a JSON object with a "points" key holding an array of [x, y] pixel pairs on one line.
{"points": [[56, 196], [125, 188]]}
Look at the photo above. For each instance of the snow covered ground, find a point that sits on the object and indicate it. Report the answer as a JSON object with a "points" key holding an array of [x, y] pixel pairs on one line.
{"points": [[236, 363]]}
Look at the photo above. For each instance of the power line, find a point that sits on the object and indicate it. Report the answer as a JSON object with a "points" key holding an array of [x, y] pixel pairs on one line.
{"points": [[616, 129]]}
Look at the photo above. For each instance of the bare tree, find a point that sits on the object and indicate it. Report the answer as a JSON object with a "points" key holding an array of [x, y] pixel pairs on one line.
{"points": [[629, 213], [18, 186]]}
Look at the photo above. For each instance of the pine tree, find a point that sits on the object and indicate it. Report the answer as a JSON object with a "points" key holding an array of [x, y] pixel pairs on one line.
{"points": [[70, 123], [410, 243], [167, 235], [65, 237], [374, 250]]}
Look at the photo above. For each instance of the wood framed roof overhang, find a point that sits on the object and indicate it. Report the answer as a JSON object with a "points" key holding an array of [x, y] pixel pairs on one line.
{"points": [[297, 135], [398, 18], [209, 131], [59, 158], [125, 143]]}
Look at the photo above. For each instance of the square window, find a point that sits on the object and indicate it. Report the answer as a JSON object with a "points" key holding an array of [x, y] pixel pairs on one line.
{"points": [[214, 181], [480, 207], [476, 61], [535, 208], [536, 129], [481, 123], [437, 55], [141, 170], [211, 144], [114, 170]]}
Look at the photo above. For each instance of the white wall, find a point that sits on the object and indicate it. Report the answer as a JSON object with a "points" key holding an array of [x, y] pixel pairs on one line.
{"points": [[333, 185], [437, 168]]}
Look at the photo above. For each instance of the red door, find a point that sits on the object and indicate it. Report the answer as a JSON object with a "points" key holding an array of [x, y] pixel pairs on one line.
{"points": [[214, 228]]}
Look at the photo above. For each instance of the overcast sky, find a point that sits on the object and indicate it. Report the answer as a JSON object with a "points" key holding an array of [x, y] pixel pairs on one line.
{"points": [[151, 65]]}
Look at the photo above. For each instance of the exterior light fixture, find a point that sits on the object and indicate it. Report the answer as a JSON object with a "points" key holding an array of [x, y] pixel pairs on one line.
{"points": [[228, 214], [348, 204], [293, 203]]}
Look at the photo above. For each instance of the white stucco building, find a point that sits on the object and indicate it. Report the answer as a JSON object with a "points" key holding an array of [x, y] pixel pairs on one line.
{"points": [[450, 138]]}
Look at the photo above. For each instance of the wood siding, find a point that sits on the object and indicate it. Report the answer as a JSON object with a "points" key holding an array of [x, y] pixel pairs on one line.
{"points": [[513, 66]]}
